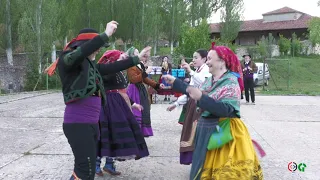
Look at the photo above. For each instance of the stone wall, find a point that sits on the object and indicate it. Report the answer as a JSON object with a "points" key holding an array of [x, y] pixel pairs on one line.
{"points": [[12, 77], [307, 48]]}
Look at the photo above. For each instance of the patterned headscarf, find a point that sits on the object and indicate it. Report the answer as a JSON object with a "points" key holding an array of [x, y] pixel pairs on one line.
{"points": [[110, 56], [231, 60]]}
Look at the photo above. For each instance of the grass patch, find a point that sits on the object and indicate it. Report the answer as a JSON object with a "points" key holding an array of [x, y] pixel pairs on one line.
{"points": [[294, 76], [163, 51]]}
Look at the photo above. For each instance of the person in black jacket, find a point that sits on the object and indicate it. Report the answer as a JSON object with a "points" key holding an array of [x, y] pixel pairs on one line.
{"points": [[83, 92]]}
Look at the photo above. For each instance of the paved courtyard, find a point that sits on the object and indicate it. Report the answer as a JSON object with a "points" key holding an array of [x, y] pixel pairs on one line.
{"points": [[33, 145]]}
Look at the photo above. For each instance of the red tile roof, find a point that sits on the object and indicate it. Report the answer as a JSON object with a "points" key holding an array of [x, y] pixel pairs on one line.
{"points": [[260, 25], [282, 11]]}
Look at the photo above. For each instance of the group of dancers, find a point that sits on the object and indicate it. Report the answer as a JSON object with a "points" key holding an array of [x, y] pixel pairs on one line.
{"points": [[106, 118]]}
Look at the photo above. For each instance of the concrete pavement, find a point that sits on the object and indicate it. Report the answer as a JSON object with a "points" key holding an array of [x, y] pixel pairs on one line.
{"points": [[33, 145]]}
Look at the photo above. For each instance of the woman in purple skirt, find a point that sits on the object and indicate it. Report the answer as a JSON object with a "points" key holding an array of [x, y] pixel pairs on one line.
{"points": [[120, 134], [138, 93]]}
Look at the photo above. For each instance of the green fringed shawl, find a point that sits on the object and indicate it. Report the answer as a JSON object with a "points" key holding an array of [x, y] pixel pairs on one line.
{"points": [[226, 90]]}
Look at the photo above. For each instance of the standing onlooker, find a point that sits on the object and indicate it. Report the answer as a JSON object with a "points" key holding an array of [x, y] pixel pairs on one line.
{"points": [[166, 69], [249, 68]]}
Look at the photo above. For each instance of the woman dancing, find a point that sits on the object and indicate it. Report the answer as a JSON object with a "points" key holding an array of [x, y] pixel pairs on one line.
{"points": [[120, 134], [139, 94], [191, 114], [223, 147]]}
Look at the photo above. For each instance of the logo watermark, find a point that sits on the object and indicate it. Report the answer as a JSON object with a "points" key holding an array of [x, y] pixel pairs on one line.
{"points": [[292, 167]]}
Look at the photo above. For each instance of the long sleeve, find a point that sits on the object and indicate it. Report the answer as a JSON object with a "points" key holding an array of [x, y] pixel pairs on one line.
{"points": [[146, 79], [216, 108], [197, 78], [117, 66], [134, 75], [180, 86], [74, 58], [182, 100], [151, 83], [242, 65], [254, 67]]}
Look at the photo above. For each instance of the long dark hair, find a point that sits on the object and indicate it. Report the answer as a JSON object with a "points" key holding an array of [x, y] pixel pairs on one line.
{"points": [[203, 53], [169, 65]]}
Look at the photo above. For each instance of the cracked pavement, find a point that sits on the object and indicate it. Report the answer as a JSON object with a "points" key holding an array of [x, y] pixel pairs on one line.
{"points": [[33, 145]]}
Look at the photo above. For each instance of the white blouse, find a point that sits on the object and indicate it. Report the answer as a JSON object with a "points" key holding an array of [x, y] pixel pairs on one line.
{"points": [[197, 78]]}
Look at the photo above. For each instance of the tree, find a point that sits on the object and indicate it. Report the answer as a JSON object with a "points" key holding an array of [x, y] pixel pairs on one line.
{"points": [[295, 45], [254, 52], [194, 38], [9, 15], [284, 45], [8, 32], [2, 27], [314, 30], [199, 10], [38, 31], [266, 46], [231, 16], [262, 44], [173, 16]]}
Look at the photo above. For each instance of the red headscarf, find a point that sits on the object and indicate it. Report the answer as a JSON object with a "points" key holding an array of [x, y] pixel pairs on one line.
{"points": [[232, 61], [110, 56], [81, 37]]}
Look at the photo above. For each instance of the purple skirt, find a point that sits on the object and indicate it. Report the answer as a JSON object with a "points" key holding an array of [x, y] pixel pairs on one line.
{"points": [[120, 134], [186, 157], [141, 97]]}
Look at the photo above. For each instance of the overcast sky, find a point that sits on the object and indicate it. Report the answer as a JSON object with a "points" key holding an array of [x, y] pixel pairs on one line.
{"points": [[253, 9]]}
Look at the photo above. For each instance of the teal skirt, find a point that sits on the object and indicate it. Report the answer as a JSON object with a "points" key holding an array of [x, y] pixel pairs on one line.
{"points": [[205, 127]]}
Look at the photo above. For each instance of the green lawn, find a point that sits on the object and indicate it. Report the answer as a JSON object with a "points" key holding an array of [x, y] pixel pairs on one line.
{"points": [[164, 51], [302, 76]]}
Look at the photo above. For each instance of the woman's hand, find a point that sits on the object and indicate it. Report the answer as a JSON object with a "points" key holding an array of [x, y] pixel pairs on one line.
{"points": [[149, 70], [171, 107], [186, 66], [186, 80], [46, 70], [123, 56], [137, 106], [162, 86], [136, 52], [194, 93], [111, 28], [168, 78], [145, 54]]}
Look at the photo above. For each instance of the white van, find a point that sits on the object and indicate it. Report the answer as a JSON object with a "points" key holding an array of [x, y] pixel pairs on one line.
{"points": [[258, 76]]}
